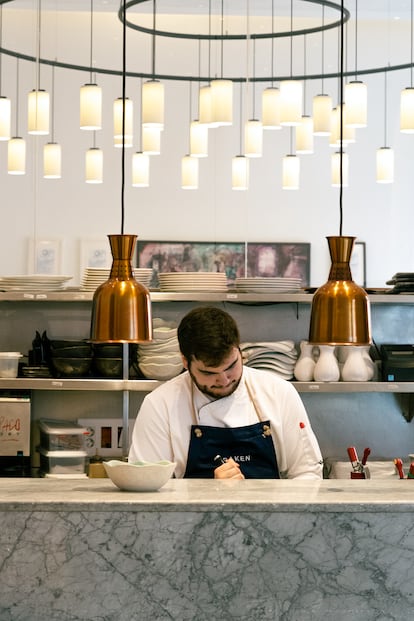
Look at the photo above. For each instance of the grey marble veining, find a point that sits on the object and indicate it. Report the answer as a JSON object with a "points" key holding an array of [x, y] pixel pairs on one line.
{"points": [[83, 551]]}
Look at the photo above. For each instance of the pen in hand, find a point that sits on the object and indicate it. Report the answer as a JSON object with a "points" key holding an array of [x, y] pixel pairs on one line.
{"points": [[219, 460]]}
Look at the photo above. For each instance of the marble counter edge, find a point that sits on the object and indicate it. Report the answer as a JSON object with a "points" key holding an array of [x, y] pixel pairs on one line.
{"points": [[100, 495]]}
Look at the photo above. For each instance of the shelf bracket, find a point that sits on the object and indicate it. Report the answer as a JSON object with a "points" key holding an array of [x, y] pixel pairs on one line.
{"points": [[406, 401]]}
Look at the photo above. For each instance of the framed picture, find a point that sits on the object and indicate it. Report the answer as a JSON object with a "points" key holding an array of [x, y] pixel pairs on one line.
{"points": [[95, 253], [45, 256], [235, 259], [358, 264]]}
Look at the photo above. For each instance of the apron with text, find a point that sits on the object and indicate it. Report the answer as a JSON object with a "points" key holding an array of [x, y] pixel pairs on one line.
{"points": [[251, 446]]}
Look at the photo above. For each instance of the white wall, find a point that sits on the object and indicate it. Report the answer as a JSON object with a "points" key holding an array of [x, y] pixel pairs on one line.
{"points": [[70, 210]]}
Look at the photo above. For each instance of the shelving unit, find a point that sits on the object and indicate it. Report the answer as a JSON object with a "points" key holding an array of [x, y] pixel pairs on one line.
{"points": [[279, 316]]}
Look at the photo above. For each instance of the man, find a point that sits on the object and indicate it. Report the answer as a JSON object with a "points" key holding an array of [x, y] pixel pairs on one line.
{"points": [[221, 419]]}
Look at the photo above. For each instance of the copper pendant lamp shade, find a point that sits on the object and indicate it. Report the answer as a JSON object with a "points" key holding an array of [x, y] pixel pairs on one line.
{"points": [[340, 308], [121, 310]]}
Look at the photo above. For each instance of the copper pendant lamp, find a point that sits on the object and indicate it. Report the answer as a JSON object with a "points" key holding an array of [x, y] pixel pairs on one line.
{"points": [[121, 307], [340, 313]]}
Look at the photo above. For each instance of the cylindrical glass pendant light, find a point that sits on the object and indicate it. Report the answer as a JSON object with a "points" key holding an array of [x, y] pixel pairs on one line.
{"points": [[356, 101], [304, 136], [205, 106], [5, 118], [336, 169], [385, 165], [271, 108], [118, 105], [90, 107], [189, 173], [407, 110], [151, 140], [222, 102], [348, 132], [38, 113], [291, 98], [253, 138], [153, 104], [198, 139], [321, 113], [16, 156], [140, 170], [290, 172], [240, 172], [94, 165], [52, 160]]}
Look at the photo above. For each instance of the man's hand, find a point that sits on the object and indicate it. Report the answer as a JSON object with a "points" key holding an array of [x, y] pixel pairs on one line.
{"points": [[229, 470]]}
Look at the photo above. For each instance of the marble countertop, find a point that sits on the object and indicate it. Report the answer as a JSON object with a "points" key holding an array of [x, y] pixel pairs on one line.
{"points": [[208, 495]]}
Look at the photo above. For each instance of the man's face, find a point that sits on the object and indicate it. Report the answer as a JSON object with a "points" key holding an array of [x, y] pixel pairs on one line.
{"points": [[217, 382]]}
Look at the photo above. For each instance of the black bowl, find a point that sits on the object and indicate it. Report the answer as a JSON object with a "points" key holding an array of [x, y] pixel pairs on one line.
{"points": [[71, 367], [108, 367]]}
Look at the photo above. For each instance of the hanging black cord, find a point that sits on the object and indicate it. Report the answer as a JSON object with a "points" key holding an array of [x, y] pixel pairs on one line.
{"points": [[154, 12], [123, 116], [411, 39], [356, 39], [91, 46], [341, 119]]}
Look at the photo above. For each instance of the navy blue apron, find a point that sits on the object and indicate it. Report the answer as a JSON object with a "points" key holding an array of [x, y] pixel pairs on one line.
{"points": [[251, 446]]}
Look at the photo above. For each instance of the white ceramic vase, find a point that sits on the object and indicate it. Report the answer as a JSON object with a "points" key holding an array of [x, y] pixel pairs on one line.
{"points": [[355, 367], [326, 367], [305, 364]]}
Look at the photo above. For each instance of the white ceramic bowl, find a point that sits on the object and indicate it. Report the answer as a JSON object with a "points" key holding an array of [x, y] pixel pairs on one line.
{"points": [[161, 371], [139, 476]]}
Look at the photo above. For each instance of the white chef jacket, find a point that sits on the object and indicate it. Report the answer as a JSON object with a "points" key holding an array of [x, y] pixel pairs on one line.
{"points": [[163, 426]]}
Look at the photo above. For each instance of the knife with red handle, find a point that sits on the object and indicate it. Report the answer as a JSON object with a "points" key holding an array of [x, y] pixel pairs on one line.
{"points": [[353, 458]]}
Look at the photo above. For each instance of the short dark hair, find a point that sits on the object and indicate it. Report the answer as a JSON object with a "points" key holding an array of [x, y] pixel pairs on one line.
{"points": [[208, 334]]}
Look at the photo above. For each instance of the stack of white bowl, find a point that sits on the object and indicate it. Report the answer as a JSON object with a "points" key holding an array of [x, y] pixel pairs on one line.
{"points": [[161, 359]]}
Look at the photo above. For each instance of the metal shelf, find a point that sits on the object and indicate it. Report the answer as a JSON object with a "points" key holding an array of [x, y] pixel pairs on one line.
{"points": [[158, 296]]}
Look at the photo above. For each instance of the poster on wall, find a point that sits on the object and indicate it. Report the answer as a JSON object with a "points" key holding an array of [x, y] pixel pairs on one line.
{"points": [[235, 259]]}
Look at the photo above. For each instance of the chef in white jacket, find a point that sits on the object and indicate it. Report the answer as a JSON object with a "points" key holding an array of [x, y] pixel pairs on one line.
{"points": [[220, 419]]}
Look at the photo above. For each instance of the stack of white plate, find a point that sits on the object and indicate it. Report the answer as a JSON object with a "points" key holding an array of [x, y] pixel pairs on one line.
{"points": [[268, 284], [279, 357], [34, 282], [161, 359], [192, 281], [95, 276]]}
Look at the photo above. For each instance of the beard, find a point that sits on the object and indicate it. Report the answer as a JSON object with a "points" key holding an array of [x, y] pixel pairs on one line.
{"points": [[219, 392]]}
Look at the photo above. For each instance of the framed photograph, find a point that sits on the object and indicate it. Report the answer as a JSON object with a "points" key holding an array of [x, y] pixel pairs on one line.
{"points": [[235, 259], [358, 264], [45, 256], [279, 259], [95, 253]]}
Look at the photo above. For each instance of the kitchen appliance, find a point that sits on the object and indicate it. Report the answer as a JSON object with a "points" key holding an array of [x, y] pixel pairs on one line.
{"points": [[397, 363], [14, 435]]}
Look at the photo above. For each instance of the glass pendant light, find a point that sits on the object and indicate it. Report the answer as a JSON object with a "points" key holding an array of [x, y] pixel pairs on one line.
{"points": [[340, 313], [240, 172], [16, 156], [356, 98], [205, 112], [52, 160], [385, 165], [189, 173], [90, 107], [151, 140], [321, 113], [198, 139], [122, 120], [290, 172], [304, 135], [94, 165], [153, 104], [339, 161], [271, 108], [407, 110], [121, 306], [140, 170], [38, 113], [222, 102], [253, 138], [291, 97]]}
